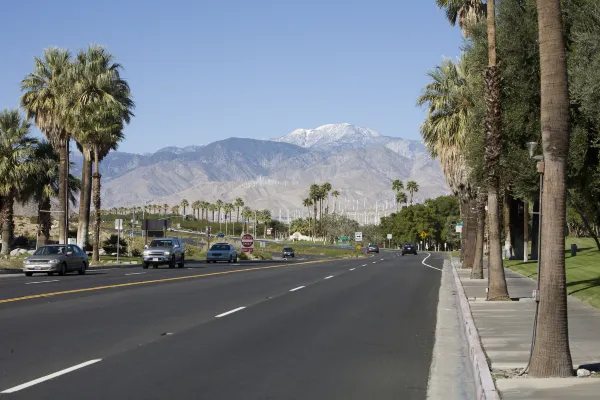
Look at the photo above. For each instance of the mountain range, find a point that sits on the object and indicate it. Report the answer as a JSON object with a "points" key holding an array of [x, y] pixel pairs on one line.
{"points": [[358, 162]]}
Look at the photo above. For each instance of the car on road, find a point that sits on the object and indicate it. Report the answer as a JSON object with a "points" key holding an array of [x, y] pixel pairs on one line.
{"points": [[372, 248], [164, 251], [288, 252], [59, 258], [222, 252], [409, 248]]}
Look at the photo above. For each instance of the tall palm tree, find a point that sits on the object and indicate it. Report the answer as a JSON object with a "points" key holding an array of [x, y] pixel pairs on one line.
{"points": [[326, 188], [45, 90], [184, 203], [239, 202], [266, 217], [335, 195], [175, 210], [165, 208], [412, 187], [16, 163], [464, 12], [228, 210], [307, 202], [444, 131], [397, 186], [315, 196], [551, 356], [219, 204], [100, 103], [401, 198], [196, 207], [246, 215], [43, 186], [213, 209]]}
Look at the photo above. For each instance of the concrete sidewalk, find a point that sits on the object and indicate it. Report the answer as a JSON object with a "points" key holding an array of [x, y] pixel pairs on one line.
{"points": [[505, 329]]}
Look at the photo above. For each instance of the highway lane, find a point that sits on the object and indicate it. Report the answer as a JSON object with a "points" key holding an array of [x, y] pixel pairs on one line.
{"points": [[365, 332]]}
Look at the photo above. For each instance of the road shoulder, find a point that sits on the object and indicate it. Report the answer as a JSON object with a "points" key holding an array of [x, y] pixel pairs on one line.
{"points": [[450, 376]]}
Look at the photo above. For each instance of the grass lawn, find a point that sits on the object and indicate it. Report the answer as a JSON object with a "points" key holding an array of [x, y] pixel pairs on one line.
{"points": [[583, 270]]}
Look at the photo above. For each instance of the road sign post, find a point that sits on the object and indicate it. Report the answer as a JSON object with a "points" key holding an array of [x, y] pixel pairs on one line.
{"points": [[358, 236], [119, 228]]}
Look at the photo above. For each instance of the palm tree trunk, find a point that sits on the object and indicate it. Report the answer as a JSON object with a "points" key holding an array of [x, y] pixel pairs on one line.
{"points": [[97, 205], [507, 232], [315, 218], [551, 356], [477, 271], [497, 289], [44, 222], [470, 233], [85, 199], [7, 222], [62, 188]]}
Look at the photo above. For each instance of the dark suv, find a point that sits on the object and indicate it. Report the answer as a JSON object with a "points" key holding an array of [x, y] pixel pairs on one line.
{"points": [[288, 252], [372, 248], [409, 248]]}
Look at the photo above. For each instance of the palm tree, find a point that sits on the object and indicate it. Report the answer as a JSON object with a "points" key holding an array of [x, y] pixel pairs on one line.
{"points": [[196, 207], [175, 210], [326, 188], [266, 217], [308, 203], [184, 203], [412, 187], [401, 198], [165, 208], [219, 205], [100, 104], [444, 131], [397, 186], [315, 195], [213, 209], [16, 153], [228, 210], [44, 101], [497, 289], [43, 186], [466, 12], [551, 355], [246, 215], [239, 202], [335, 195]]}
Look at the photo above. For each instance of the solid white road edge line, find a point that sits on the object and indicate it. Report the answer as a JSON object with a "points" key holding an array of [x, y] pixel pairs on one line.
{"points": [[32, 283], [51, 376], [229, 312], [135, 273], [329, 277], [298, 288], [427, 265]]}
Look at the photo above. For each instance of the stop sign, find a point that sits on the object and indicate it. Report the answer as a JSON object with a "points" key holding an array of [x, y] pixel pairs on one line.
{"points": [[247, 240]]}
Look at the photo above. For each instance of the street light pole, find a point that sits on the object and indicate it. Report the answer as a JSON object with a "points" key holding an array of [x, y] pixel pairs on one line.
{"points": [[540, 168]]}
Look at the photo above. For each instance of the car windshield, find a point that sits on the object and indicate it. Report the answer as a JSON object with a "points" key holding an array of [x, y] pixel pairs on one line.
{"points": [[48, 250], [220, 247], [288, 249], [161, 243], [408, 245], [372, 245]]}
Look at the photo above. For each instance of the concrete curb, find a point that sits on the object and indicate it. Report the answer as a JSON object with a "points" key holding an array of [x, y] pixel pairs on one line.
{"points": [[484, 384]]}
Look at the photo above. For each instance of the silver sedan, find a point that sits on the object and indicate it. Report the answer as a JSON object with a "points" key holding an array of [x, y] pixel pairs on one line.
{"points": [[58, 258]]}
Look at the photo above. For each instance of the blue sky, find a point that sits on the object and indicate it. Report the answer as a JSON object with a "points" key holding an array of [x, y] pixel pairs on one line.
{"points": [[202, 70]]}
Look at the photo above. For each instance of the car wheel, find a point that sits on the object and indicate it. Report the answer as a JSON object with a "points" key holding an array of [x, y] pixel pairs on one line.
{"points": [[63, 269], [172, 262], [145, 265], [50, 273], [28, 273], [82, 269], [235, 260], [230, 259], [181, 262], [155, 266]]}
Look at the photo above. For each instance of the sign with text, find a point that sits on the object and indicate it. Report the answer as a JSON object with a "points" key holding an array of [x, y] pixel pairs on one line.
{"points": [[247, 243], [358, 236], [389, 235], [119, 224]]}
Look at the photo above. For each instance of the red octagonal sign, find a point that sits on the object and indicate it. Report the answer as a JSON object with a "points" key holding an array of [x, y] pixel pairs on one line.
{"points": [[247, 240]]}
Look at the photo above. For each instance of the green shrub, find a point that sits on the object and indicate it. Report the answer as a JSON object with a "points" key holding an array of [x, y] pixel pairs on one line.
{"points": [[193, 251], [243, 256], [260, 255]]}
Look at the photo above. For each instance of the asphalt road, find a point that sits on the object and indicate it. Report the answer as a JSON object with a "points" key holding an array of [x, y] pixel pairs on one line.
{"points": [[350, 329]]}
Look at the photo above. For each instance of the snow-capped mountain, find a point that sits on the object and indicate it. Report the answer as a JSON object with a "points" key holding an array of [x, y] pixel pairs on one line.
{"points": [[333, 138]]}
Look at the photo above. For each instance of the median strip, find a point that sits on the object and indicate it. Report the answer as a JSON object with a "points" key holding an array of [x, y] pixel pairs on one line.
{"points": [[48, 377], [179, 278]]}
